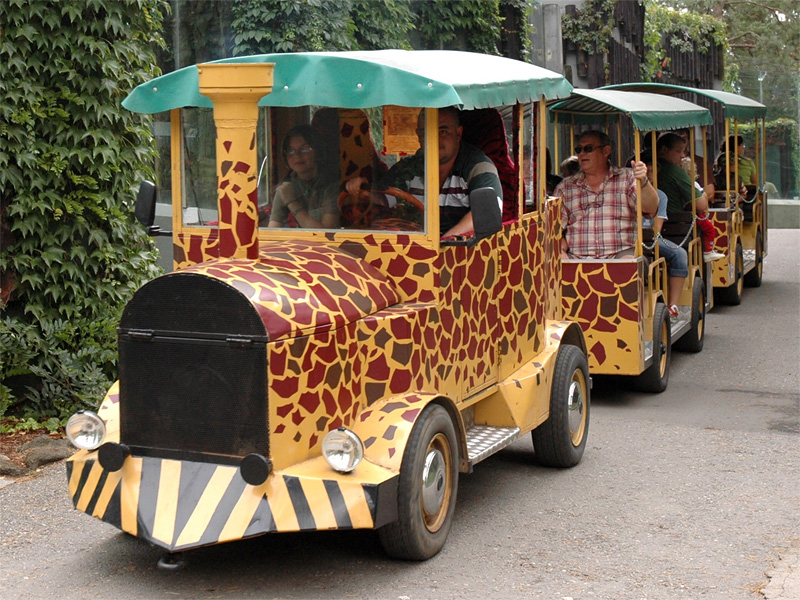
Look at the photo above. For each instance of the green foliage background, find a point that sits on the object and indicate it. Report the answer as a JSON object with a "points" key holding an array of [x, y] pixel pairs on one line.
{"points": [[71, 254], [70, 156]]}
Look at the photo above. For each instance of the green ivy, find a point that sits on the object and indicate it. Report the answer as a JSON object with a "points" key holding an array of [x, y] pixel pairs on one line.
{"points": [[471, 25], [70, 158], [592, 27], [264, 26], [665, 28]]}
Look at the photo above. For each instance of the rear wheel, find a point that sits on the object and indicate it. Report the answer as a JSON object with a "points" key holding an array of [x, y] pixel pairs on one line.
{"points": [[560, 441], [732, 294], [692, 340], [426, 495], [656, 376], [753, 277]]}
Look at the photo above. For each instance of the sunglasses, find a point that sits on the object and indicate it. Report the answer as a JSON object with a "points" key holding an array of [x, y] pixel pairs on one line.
{"points": [[300, 151], [588, 148]]}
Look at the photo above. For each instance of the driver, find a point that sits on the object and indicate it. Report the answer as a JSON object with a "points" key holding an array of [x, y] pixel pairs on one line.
{"points": [[462, 169]]}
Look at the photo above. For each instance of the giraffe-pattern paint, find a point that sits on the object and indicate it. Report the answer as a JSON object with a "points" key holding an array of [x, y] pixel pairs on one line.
{"points": [[362, 335], [607, 299], [729, 228], [360, 331]]}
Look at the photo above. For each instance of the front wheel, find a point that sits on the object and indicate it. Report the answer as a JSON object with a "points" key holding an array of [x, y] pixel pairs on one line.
{"points": [[426, 495], [561, 439]]}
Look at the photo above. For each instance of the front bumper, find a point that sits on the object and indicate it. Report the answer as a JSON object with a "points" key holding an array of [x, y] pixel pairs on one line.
{"points": [[180, 504]]}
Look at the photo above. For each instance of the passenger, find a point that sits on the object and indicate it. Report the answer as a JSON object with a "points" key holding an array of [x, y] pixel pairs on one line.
{"points": [[462, 169], [707, 181], [676, 257], [307, 194], [598, 209], [679, 188], [747, 168], [570, 166]]}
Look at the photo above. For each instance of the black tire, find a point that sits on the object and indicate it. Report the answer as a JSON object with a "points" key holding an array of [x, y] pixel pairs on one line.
{"points": [[753, 277], [732, 295], [426, 495], [692, 340], [561, 439], [656, 376]]}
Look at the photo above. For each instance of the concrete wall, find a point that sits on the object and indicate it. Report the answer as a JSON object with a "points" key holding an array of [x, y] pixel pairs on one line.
{"points": [[783, 214]]}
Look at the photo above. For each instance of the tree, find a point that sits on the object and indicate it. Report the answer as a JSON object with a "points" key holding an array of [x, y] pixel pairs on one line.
{"points": [[764, 48], [71, 254], [264, 26]]}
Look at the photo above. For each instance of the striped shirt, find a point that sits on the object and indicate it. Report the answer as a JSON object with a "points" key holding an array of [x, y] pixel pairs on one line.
{"points": [[471, 170]]}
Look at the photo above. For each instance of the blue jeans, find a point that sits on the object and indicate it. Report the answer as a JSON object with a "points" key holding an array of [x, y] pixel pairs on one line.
{"points": [[676, 257]]}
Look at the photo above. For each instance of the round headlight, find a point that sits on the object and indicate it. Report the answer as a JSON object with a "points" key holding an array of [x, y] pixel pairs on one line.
{"points": [[86, 430], [342, 449]]}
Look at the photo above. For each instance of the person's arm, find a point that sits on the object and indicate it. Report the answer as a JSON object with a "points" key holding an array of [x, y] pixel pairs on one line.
{"points": [[464, 226], [484, 174], [354, 185], [285, 201], [649, 193], [279, 212]]}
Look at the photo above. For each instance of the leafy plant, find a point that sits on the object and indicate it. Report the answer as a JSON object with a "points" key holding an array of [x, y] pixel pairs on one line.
{"points": [[685, 31], [472, 25], [70, 158], [263, 26], [591, 27]]}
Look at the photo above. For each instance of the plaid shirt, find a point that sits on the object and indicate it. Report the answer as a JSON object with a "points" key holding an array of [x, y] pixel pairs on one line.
{"points": [[599, 225]]}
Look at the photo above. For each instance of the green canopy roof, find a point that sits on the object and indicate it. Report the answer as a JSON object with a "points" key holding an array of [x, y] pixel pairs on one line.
{"points": [[734, 105], [362, 79], [646, 111]]}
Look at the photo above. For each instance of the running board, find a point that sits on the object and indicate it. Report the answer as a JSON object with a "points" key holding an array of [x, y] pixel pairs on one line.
{"points": [[484, 440], [748, 260], [682, 324]]}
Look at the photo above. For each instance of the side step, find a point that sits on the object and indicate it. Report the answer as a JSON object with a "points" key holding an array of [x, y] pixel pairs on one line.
{"points": [[484, 440], [749, 260]]}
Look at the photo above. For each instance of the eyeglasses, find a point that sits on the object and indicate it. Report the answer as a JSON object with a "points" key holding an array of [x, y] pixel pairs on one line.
{"points": [[300, 151], [588, 148]]}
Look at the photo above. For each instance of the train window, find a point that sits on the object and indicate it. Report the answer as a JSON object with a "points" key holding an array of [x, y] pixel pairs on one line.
{"points": [[309, 154], [199, 170]]}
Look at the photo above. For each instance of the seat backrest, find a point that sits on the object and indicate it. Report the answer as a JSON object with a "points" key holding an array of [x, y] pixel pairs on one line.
{"points": [[348, 142], [484, 128], [677, 226]]}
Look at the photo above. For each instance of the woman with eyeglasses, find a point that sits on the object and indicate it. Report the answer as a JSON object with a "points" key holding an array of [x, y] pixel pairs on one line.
{"points": [[307, 194]]}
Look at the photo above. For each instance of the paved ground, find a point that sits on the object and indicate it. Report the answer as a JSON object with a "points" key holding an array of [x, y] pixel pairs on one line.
{"points": [[689, 494]]}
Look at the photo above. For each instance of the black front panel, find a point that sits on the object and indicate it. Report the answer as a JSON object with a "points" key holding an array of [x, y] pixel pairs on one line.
{"points": [[193, 395], [193, 370]]}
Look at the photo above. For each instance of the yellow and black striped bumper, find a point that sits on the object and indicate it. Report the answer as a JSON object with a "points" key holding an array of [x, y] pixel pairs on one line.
{"points": [[181, 504]]}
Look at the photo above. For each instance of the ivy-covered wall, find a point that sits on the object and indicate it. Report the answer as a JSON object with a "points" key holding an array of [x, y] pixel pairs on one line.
{"points": [[70, 158]]}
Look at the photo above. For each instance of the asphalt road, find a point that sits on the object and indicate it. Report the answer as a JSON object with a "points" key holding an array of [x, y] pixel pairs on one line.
{"points": [[693, 493]]}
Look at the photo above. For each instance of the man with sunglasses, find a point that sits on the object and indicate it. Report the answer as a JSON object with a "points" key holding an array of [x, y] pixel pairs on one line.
{"points": [[598, 205]]}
